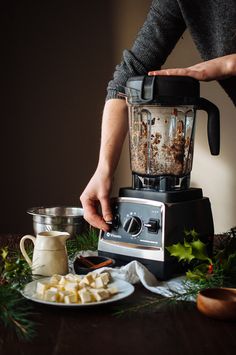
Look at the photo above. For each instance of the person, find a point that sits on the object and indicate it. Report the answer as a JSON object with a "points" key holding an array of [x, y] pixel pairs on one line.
{"points": [[212, 24]]}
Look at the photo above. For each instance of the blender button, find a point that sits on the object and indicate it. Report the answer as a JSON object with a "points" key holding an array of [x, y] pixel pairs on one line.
{"points": [[153, 225]]}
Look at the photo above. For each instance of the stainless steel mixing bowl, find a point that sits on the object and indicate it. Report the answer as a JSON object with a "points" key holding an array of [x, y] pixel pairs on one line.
{"points": [[63, 219]]}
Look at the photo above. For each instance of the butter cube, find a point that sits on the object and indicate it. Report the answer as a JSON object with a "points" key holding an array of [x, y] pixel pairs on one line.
{"points": [[54, 279], [77, 278], [85, 295], [61, 295], [105, 277], [87, 280], [71, 298], [41, 287], [99, 282], [51, 296], [70, 277], [53, 288], [62, 280], [90, 277], [101, 294], [71, 286], [60, 287]]}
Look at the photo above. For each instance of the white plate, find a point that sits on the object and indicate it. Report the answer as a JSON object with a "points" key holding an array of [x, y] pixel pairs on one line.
{"points": [[125, 289]]}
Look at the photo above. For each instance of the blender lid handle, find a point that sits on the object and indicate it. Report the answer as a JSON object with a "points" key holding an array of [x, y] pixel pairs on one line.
{"points": [[213, 124]]}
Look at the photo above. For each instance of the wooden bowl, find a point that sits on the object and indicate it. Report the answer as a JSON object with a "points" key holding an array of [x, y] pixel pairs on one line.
{"points": [[218, 303]]}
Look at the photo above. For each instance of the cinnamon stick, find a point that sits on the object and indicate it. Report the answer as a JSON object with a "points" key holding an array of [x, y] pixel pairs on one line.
{"points": [[104, 263], [91, 265], [85, 261]]}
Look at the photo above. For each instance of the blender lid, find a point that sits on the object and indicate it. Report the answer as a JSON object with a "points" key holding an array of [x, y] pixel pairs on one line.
{"points": [[167, 90]]}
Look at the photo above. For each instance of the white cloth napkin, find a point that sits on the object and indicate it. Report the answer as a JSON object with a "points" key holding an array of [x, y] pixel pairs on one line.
{"points": [[135, 272]]}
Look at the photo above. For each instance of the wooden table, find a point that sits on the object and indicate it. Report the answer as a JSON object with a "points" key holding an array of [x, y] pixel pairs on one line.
{"points": [[170, 330]]}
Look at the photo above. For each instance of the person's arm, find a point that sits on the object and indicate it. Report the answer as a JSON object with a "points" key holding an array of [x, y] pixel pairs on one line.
{"points": [[157, 37], [155, 40], [214, 69], [114, 129]]}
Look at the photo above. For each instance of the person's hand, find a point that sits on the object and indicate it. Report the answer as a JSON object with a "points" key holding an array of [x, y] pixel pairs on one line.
{"points": [[214, 69], [95, 195]]}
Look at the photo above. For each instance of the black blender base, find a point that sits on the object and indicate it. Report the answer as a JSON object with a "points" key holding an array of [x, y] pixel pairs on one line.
{"points": [[162, 270], [175, 217]]}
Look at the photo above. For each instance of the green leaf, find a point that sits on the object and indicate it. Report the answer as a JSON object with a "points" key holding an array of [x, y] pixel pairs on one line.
{"points": [[187, 244], [191, 233], [199, 250], [198, 273], [193, 276], [4, 253], [182, 252]]}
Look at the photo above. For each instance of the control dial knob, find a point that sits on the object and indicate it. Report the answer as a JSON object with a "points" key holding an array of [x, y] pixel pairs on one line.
{"points": [[133, 225]]}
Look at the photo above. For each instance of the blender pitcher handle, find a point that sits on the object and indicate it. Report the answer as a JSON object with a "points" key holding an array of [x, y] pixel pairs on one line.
{"points": [[213, 124]]}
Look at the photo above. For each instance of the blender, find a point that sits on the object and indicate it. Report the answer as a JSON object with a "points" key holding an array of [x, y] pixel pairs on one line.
{"points": [[160, 205]]}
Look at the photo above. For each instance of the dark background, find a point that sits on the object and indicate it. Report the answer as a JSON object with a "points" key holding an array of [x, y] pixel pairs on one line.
{"points": [[56, 60]]}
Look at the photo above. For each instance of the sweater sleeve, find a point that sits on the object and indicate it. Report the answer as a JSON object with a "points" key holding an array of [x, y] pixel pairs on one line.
{"points": [[157, 37]]}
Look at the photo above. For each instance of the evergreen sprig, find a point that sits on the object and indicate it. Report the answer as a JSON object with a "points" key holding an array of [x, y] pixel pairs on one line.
{"points": [[156, 302], [15, 313], [14, 269], [188, 294], [85, 241]]}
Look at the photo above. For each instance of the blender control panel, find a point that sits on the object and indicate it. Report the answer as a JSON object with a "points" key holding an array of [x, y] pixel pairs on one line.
{"points": [[136, 221]]}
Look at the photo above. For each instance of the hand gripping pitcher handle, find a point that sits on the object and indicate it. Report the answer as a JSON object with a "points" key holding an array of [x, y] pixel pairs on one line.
{"points": [[213, 124]]}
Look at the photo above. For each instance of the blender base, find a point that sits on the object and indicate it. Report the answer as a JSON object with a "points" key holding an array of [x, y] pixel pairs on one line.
{"points": [[143, 228]]}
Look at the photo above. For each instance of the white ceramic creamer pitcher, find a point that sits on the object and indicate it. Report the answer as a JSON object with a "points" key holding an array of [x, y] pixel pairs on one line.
{"points": [[49, 255]]}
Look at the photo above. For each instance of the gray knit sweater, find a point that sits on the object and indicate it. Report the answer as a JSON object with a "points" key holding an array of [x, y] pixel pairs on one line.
{"points": [[212, 24]]}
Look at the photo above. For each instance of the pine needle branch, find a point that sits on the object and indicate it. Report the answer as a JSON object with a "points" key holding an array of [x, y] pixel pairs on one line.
{"points": [[85, 241], [188, 293], [15, 313]]}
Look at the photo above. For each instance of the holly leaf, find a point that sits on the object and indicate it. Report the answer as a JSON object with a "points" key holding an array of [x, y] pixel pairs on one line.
{"points": [[4, 253], [198, 273], [194, 276], [191, 233], [187, 244], [199, 250], [181, 251]]}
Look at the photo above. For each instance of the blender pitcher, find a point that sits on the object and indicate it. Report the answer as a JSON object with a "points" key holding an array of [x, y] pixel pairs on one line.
{"points": [[162, 114]]}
